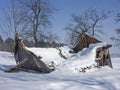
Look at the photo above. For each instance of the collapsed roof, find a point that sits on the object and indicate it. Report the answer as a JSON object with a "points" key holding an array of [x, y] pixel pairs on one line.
{"points": [[102, 54], [27, 60], [84, 41]]}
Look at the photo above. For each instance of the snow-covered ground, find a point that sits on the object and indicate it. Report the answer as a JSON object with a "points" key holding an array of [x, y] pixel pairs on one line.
{"points": [[67, 75]]}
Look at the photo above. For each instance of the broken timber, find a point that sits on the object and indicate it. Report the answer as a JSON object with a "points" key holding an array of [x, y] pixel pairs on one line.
{"points": [[84, 41], [26, 60], [60, 53], [103, 56]]}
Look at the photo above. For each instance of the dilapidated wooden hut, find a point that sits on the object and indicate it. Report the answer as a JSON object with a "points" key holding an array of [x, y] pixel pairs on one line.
{"points": [[27, 60], [84, 41], [102, 53]]}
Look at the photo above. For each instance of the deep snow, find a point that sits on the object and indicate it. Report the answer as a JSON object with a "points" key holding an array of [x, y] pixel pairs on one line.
{"points": [[66, 76]]}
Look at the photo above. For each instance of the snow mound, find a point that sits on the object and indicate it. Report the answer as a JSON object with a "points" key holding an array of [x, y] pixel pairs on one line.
{"points": [[80, 60], [48, 55], [74, 63]]}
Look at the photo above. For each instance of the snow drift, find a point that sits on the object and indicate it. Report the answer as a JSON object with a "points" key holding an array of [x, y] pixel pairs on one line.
{"points": [[74, 63]]}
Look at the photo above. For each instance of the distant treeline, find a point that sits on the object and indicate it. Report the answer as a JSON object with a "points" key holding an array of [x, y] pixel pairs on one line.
{"points": [[8, 44]]}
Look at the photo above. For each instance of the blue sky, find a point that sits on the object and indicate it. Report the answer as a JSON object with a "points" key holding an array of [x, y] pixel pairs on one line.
{"points": [[64, 9]]}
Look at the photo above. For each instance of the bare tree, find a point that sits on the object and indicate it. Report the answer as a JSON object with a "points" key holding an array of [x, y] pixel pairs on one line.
{"points": [[37, 14], [117, 38], [1, 44], [51, 37], [29, 18], [88, 22], [80, 24], [118, 17], [96, 18], [12, 20]]}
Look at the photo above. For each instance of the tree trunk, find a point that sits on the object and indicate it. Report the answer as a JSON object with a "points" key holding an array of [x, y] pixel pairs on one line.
{"points": [[35, 38], [93, 33], [36, 41]]}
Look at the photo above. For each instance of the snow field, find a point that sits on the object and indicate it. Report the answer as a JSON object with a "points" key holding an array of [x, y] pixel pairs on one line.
{"points": [[66, 76]]}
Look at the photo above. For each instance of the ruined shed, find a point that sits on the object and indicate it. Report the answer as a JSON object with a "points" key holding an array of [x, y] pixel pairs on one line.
{"points": [[84, 41], [102, 53], [27, 60], [103, 56]]}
